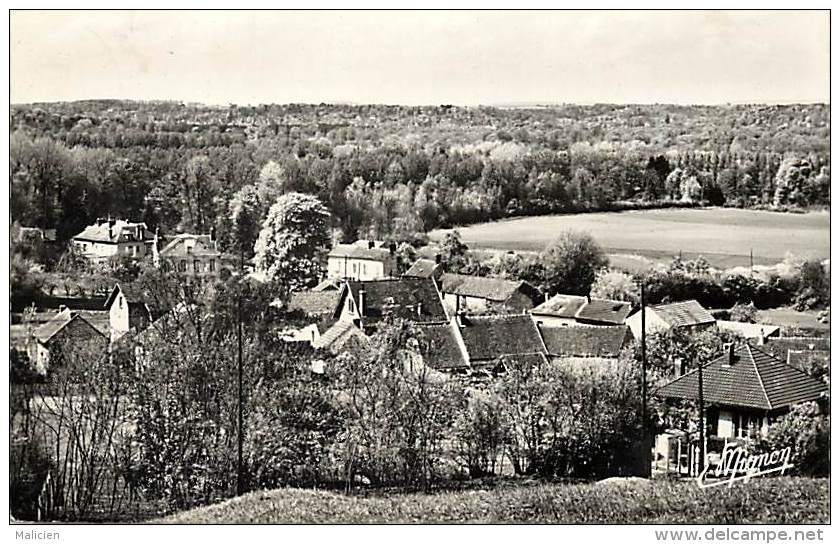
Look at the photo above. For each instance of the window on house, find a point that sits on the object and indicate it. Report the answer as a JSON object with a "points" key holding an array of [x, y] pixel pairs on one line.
{"points": [[212, 265], [196, 266], [182, 266]]}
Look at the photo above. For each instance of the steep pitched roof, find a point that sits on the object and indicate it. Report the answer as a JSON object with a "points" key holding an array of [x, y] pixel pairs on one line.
{"points": [[439, 347], [754, 379], [422, 268], [584, 341], [560, 306], [494, 289], [605, 311], [414, 299], [119, 231], [489, 337], [314, 303], [353, 251], [683, 314], [179, 246], [48, 330], [134, 294]]}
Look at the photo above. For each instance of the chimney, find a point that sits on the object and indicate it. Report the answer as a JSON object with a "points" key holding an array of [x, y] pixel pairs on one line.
{"points": [[362, 302], [588, 299], [729, 351], [213, 233], [61, 308], [419, 308], [761, 338], [370, 244], [392, 247], [437, 258]]}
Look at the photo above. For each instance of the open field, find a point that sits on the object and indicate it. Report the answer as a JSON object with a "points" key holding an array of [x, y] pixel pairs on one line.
{"points": [[763, 500], [788, 317], [724, 236]]}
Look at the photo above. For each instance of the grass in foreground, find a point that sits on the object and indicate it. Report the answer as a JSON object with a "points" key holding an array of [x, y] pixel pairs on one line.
{"points": [[777, 500]]}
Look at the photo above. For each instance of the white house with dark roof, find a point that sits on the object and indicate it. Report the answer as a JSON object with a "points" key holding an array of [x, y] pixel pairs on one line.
{"points": [[361, 262], [688, 314], [127, 310], [113, 238]]}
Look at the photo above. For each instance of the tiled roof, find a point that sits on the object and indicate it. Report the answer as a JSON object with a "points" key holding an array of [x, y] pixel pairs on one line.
{"points": [[352, 251], [490, 337], [584, 341], [102, 232], [495, 289], [683, 314], [605, 311], [439, 347], [560, 306], [422, 268], [314, 303], [204, 245], [753, 380], [400, 298]]}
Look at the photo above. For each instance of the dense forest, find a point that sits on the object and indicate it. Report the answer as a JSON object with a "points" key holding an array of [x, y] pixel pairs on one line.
{"points": [[397, 171]]}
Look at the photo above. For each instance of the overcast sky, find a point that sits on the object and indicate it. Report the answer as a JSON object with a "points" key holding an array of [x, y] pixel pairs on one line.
{"points": [[422, 57]]}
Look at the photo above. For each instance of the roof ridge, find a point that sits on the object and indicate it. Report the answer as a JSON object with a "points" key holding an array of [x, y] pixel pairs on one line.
{"points": [[748, 348]]}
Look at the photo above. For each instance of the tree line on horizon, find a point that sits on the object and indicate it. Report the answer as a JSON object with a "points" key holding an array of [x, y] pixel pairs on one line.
{"points": [[397, 172]]}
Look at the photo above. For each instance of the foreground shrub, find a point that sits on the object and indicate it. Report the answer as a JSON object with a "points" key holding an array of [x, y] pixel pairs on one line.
{"points": [[571, 418], [808, 433]]}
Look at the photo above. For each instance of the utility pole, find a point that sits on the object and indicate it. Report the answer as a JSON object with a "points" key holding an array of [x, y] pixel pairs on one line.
{"points": [[702, 416], [644, 366], [240, 480], [645, 445]]}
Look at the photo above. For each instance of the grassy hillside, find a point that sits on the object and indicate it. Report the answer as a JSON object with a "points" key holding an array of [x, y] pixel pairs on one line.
{"points": [[777, 500]]}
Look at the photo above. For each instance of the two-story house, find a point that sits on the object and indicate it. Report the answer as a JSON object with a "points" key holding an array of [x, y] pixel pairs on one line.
{"points": [[191, 255], [114, 238], [362, 261]]}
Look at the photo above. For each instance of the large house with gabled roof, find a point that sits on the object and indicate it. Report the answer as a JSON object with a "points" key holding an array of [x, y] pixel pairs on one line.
{"points": [[109, 238]]}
